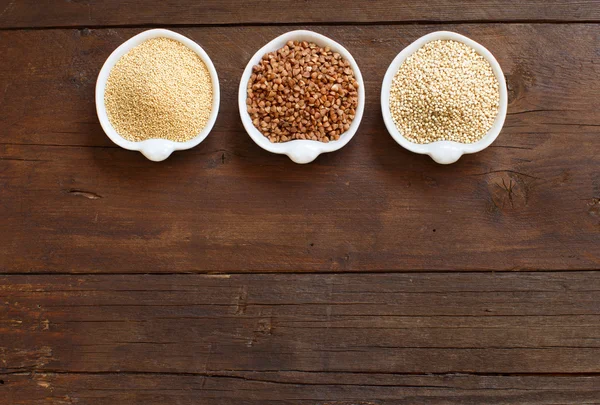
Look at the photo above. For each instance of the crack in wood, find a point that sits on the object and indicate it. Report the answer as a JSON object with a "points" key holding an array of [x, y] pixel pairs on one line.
{"points": [[514, 269], [511, 147], [83, 193], [227, 373], [507, 171], [311, 23], [535, 111], [242, 301], [22, 160]]}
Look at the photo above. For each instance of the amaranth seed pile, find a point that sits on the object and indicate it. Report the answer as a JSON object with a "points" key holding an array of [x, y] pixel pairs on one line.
{"points": [[444, 91], [302, 91], [159, 89]]}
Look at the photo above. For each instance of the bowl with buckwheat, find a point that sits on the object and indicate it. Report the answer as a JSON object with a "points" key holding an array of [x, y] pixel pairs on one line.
{"points": [[302, 94]]}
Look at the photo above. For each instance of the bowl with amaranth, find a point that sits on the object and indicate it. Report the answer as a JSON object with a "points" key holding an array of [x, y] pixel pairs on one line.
{"points": [[158, 93], [444, 95], [302, 94]]}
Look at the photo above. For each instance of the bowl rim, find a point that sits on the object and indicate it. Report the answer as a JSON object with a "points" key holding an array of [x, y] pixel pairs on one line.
{"points": [[444, 152], [149, 146], [300, 150]]}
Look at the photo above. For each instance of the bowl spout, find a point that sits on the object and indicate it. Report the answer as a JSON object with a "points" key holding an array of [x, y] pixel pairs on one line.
{"points": [[445, 153], [157, 150], [303, 153]]}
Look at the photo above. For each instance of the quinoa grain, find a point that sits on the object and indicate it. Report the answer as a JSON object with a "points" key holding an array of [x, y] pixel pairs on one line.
{"points": [[159, 89], [444, 91]]}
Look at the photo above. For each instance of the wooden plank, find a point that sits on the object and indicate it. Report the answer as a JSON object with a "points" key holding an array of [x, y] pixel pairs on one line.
{"points": [[279, 388], [371, 323], [550, 69], [76, 203], [30, 13]]}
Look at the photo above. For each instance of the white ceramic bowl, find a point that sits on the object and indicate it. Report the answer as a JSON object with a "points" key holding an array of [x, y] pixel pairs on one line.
{"points": [[299, 150], [154, 149], [444, 152]]}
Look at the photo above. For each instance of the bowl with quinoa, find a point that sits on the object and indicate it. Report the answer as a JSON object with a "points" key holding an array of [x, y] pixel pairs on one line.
{"points": [[157, 93], [302, 94], [444, 96]]}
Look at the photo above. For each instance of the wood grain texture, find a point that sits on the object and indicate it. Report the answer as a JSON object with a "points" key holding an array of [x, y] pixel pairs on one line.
{"points": [[523, 323], [76, 203], [413, 299], [292, 388], [31, 13]]}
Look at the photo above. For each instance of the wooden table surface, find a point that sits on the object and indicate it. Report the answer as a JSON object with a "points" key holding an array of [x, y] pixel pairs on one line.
{"points": [[229, 275]]}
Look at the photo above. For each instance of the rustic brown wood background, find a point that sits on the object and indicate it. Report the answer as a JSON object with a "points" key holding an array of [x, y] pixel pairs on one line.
{"points": [[228, 275]]}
